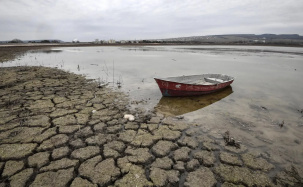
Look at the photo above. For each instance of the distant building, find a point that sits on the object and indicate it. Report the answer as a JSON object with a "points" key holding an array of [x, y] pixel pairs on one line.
{"points": [[75, 40], [111, 41], [259, 41]]}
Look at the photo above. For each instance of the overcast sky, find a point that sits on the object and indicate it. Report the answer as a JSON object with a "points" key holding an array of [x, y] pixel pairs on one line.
{"points": [[146, 19]]}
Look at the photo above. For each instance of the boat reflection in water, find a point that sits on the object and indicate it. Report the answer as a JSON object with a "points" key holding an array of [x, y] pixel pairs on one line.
{"points": [[175, 106]]}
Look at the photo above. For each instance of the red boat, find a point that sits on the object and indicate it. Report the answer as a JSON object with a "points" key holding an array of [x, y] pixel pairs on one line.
{"points": [[193, 84]]}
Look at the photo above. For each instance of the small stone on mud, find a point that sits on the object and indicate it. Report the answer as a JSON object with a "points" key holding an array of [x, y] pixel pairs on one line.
{"points": [[230, 141], [297, 141], [129, 117]]}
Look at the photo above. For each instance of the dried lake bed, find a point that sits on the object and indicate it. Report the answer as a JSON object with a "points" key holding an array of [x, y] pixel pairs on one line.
{"points": [[253, 110]]}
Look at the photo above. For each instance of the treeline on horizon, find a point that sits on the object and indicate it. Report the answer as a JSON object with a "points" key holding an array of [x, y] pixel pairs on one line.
{"points": [[33, 41], [191, 41]]}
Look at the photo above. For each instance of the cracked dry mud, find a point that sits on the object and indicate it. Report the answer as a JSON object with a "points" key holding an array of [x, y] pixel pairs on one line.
{"points": [[50, 136]]}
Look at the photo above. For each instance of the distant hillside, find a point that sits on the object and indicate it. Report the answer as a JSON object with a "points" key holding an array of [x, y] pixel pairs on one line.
{"points": [[33, 41], [240, 38]]}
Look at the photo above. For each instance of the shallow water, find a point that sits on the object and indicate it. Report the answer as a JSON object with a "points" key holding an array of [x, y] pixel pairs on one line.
{"points": [[267, 90]]}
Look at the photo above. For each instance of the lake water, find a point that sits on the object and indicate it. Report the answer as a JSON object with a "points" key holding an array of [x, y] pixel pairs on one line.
{"points": [[267, 91]]}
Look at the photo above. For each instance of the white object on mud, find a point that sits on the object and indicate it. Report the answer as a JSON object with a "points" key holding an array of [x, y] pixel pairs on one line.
{"points": [[94, 111], [129, 117]]}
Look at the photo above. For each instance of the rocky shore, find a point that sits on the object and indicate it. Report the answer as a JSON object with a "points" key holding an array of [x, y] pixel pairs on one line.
{"points": [[59, 129]]}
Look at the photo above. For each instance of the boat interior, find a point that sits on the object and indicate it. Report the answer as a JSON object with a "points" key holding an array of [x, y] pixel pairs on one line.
{"points": [[204, 79]]}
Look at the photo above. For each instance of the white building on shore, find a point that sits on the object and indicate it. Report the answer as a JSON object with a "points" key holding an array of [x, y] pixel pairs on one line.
{"points": [[111, 41]]}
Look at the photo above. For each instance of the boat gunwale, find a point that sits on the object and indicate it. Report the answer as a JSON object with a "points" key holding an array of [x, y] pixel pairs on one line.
{"points": [[163, 79]]}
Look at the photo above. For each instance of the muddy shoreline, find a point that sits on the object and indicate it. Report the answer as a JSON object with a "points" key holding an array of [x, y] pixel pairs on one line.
{"points": [[60, 129], [10, 51]]}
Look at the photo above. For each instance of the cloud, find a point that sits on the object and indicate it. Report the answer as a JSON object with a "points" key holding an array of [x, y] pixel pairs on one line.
{"points": [[144, 19]]}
